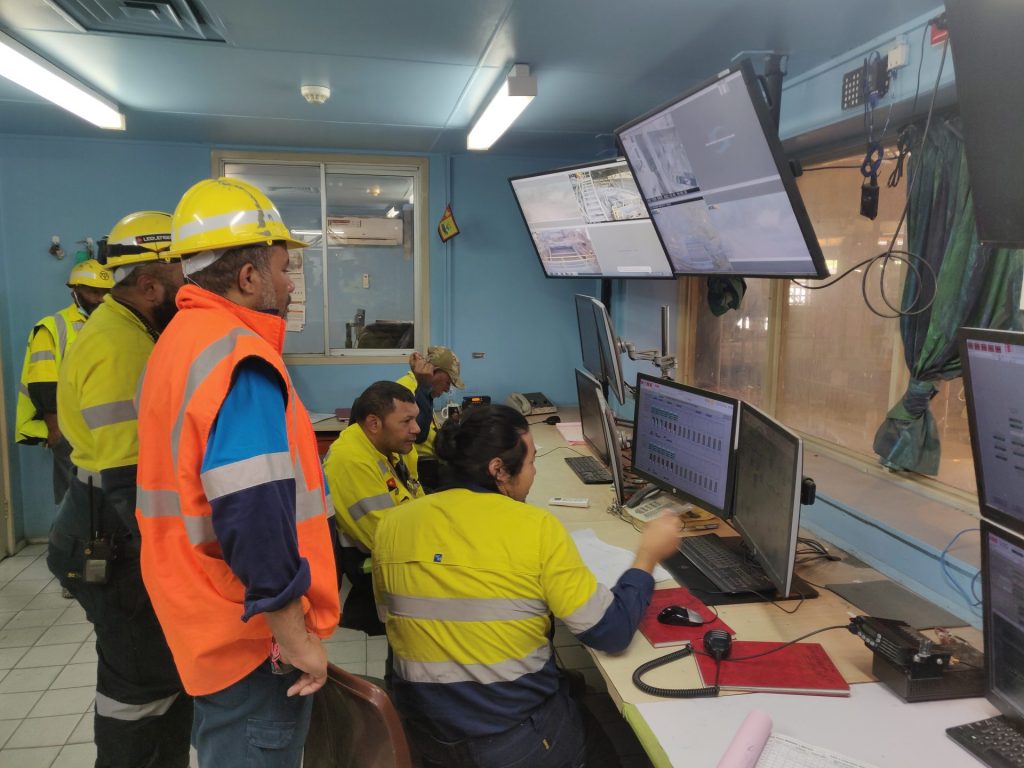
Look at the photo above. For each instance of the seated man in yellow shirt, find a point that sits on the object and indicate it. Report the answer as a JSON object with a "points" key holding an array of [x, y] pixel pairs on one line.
{"points": [[428, 378], [370, 468]]}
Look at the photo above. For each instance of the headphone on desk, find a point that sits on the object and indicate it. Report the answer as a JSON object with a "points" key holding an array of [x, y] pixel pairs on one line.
{"points": [[717, 645]]}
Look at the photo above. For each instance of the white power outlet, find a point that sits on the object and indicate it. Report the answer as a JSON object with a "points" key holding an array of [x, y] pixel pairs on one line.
{"points": [[366, 279], [899, 53]]}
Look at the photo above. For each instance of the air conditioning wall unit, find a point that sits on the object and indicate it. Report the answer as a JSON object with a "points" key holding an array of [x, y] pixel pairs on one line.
{"points": [[364, 230]]}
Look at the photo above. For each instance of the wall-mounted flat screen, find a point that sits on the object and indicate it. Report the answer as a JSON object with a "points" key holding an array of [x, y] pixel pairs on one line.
{"points": [[720, 193], [590, 221]]}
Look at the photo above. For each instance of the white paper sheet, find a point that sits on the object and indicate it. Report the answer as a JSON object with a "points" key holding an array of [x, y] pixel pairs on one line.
{"points": [[606, 562]]}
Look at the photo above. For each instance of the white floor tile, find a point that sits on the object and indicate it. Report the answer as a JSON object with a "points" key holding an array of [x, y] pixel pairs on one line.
{"points": [[30, 679], [346, 636], [83, 731], [76, 756], [376, 649], [48, 655], [34, 619], [20, 586], [38, 570], [40, 757], [10, 656], [31, 550], [342, 653], [355, 667], [6, 729], [375, 669], [86, 653], [74, 676], [13, 638], [66, 701], [11, 567], [6, 616], [47, 600], [15, 602], [73, 614], [18, 705], [65, 633], [43, 731]]}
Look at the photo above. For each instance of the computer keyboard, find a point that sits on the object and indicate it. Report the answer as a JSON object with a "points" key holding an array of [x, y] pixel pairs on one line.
{"points": [[996, 741], [589, 470], [727, 570]]}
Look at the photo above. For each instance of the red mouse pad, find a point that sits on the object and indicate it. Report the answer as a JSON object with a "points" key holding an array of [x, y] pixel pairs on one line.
{"points": [[660, 635]]}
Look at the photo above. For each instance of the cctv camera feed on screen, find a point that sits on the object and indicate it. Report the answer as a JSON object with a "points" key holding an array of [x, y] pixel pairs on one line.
{"points": [[1003, 559], [720, 195], [590, 221]]}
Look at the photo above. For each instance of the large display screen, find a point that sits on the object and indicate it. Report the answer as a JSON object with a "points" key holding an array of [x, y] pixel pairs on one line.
{"points": [[721, 196], [590, 221], [1002, 558], [993, 363]]}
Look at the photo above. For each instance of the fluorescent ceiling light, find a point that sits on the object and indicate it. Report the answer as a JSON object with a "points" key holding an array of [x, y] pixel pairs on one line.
{"points": [[506, 105], [29, 70]]}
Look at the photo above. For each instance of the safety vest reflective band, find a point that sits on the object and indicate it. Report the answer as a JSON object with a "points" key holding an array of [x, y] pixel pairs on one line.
{"points": [[41, 365], [197, 597], [363, 481], [426, 448], [96, 388]]}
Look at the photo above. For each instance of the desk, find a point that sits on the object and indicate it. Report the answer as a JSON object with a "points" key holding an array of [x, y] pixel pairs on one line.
{"points": [[657, 720]]}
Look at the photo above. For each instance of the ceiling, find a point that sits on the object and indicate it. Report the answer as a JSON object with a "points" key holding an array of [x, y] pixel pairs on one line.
{"points": [[409, 75]]}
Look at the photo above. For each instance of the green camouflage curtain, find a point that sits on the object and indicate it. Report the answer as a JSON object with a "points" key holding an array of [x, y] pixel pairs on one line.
{"points": [[977, 286]]}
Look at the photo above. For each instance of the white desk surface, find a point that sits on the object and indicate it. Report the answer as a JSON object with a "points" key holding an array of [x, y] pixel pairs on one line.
{"points": [[872, 725]]}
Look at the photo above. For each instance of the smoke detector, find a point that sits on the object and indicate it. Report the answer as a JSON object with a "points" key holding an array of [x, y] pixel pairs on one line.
{"points": [[315, 94]]}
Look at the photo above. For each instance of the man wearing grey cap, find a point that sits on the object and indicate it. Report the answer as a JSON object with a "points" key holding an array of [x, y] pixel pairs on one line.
{"points": [[430, 377]]}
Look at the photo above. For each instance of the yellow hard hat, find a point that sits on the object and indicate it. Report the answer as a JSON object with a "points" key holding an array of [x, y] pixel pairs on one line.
{"points": [[138, 238], [219, 214], [92, 274]]}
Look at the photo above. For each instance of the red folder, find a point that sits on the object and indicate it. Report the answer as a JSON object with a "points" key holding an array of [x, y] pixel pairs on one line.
{"points": [[798, 668], [660, 635]]}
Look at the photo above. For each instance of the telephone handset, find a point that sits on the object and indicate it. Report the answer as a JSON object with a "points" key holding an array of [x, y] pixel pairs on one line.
{"points": [[531, 403]]}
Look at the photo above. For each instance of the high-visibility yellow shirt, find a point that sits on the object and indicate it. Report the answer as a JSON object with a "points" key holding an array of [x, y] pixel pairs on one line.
{"points": [[465, 582], [96, 388], [425, 449], [364, 484], [48, 343]]}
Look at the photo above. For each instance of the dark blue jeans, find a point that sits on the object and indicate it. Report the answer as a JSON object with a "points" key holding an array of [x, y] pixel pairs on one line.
{"points": [[552, 737], [253, 723]]}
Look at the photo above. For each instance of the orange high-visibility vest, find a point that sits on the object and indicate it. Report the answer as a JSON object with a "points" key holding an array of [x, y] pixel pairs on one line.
{"points": [[197, 597]]}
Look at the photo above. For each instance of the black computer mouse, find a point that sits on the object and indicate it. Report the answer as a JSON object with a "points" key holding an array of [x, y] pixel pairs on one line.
{"points": [[552, 419], [679, 616]]}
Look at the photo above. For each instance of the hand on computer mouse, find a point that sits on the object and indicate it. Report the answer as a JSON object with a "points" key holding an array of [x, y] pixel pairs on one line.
{"points": [[679, 616]]}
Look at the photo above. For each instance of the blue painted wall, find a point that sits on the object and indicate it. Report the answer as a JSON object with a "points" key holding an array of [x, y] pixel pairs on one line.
{"points": [[487, 290]]}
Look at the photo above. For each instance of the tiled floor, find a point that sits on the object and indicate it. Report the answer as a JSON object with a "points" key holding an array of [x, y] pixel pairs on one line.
{"points": [[48, 667], [48, 672]]}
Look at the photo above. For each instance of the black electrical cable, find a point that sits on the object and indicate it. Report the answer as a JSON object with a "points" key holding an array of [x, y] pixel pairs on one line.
{"points": [[674, 693], [778, 648]]}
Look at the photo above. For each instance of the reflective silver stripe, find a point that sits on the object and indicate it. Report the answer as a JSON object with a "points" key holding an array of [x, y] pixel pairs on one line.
{"points": [[248, 473], [24, 390], [257, 216], [158, 503], [77, 325], [466, 609], [453, 672], [108, 414], [310, 503], [118, 710], [36, 357], [85, 475], [591, 612], [62, 333], [383, 467], [199, 529], [201, 367], [370, 504]]}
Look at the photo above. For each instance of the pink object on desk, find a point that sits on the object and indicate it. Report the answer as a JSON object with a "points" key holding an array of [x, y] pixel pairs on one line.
{"points": [[745, 747], [572, 431]]}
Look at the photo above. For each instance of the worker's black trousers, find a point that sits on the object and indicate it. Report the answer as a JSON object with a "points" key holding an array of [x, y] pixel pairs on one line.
{"points": [[143, 716]]}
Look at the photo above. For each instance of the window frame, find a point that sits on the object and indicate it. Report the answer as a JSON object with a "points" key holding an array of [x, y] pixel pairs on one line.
{"points": [[367, 165]]}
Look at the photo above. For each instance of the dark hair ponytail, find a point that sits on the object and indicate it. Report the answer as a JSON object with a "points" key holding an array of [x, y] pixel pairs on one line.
{"points": [[483, 432]]}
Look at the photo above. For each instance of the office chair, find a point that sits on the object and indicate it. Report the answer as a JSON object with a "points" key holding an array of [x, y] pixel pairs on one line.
{"points": [[354, 725]]}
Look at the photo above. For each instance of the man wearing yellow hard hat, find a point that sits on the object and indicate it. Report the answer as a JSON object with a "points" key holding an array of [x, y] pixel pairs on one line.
{"points": [[237, 552], [48, 343], [143, 716]]}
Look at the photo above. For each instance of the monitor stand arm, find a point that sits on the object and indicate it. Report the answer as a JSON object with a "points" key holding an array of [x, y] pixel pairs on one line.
{"points": [[660, 357]]}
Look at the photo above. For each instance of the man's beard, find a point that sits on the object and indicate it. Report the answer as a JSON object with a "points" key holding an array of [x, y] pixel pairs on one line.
{"points": [[166, 309]]}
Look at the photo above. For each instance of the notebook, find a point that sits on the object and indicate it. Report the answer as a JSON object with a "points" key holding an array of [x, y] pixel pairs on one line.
{"points": [[798, 668], [660, 635]]}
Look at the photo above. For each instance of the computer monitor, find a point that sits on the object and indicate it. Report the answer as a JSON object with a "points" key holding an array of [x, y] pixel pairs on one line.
{"points": [[611, 438], [592, 408], [993, 366], [1002, 577], [590, 221], [599, 345], [719, 190], [984, 37], [766, 494], [684, 441]]}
